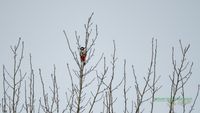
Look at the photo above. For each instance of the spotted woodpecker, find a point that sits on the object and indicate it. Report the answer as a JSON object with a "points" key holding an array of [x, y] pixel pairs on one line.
{"points": [[83, 55]]}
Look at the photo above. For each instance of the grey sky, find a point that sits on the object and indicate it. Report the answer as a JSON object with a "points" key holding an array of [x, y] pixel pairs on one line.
{"points": [[131, 23]]}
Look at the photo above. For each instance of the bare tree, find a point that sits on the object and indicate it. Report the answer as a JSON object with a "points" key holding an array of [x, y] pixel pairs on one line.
{"points": [[11, 101], [180, 76], [109, 100], [155, 79], [141, 93], [47, 105], [80, 97], [30, 100], [79, 104]]}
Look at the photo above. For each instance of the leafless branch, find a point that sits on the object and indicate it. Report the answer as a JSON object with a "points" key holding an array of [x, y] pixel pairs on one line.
{"points": [[50, 107], [153, 86], [148, 87], [45, 107], [70, 99], [109, 101], [99, 85], [72, 52], [196, 97], [180, 76], [29, 104], [11, 101], [125, 90]]}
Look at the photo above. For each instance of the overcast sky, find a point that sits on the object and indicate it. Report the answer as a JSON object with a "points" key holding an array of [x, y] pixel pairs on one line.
{"points": [[131, 23]]}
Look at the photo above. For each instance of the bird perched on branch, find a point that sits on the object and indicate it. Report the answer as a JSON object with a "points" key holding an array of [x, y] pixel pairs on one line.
{"points": [[83, 55]]}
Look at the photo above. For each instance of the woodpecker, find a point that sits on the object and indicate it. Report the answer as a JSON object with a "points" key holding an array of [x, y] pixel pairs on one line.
{"points": [[83, 55]]}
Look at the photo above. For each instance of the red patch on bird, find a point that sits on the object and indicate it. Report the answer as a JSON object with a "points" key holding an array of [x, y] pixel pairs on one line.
{"points": [[83, 58]]}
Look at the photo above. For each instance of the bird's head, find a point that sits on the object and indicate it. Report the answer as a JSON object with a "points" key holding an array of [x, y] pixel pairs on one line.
{"points": [[82, 48]]}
